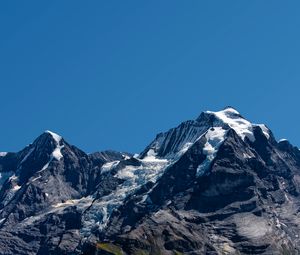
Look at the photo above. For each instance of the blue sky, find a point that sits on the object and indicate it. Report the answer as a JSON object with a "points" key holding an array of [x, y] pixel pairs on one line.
{"points": [[112, 74]]}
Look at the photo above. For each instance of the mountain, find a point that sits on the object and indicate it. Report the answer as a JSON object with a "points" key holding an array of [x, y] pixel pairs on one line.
{"points": [[218, 184]]}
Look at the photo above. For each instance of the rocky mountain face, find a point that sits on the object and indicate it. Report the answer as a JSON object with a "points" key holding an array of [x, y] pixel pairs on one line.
{"points": [[218, 184]]}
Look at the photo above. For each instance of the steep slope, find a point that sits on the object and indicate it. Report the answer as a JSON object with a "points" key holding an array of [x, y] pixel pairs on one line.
{"points": [[47, 172], [234, 191], [55, 195], [218, 184]]}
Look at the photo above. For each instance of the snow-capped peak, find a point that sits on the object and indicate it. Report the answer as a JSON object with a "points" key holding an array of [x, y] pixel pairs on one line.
{"points": [[55, 136], [230, 109], [3, 154], [175, 142], [56, 154], [56, 144], [241, 126]]}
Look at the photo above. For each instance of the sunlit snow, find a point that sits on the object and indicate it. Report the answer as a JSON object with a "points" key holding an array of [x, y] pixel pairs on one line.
{"points": [[282, 140], [134, 177], [109, 166], [241, 126], [215, 137], [57, 151]]}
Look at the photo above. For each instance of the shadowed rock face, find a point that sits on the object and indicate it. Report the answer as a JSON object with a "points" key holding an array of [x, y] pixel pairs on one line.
{"points": [[215, 185]]}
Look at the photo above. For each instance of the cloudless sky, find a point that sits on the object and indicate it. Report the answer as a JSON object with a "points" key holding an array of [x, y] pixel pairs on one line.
{"points": [[112, 74]]}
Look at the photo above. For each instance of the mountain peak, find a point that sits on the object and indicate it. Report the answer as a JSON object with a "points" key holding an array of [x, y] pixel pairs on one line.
{"points": [[176, 141], [228, 111], [231, 109], [57, 150], [48, 143], [48, 139], [232, 118], [55, 136]]}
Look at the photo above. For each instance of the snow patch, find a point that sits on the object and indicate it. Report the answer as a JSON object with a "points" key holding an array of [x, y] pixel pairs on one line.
{"points": [[264, 129], [214, 138], [125, 157], [185, 148], [3, 154], [56, 154], [283, 140], [44, 167], [151, 158], [151, 155], [55, 136], [109, 166], [16, 187], [245, 155], [36, 178]]}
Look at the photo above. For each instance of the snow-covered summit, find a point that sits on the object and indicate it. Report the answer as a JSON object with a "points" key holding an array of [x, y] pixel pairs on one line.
{"points": [[231, 109], [48, 144], [231, 117], [3, 154], [55, 136], [173, 143], [56, 154]]}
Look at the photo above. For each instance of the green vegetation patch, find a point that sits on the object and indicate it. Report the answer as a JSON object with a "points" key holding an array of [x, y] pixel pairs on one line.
{"points": [[109, 247]]}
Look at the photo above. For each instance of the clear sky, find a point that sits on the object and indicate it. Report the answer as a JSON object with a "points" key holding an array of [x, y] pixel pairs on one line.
{"points": [[112, 74]]}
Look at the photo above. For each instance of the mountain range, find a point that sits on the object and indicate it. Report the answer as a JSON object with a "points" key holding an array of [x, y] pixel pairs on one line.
{"points": [[218, 184]]}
